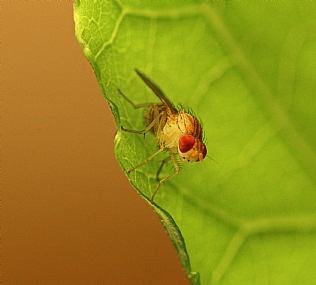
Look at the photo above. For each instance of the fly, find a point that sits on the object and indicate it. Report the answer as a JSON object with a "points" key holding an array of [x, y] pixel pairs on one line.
{"points": [[175, 130]]}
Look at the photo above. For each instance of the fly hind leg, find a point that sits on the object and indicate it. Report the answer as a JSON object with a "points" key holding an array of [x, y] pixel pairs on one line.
{"points": [[137, 106], [148, 127]]}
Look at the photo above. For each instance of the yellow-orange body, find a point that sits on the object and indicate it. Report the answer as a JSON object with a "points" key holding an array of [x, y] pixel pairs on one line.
{"points": [[176, 131], [171, 126]]}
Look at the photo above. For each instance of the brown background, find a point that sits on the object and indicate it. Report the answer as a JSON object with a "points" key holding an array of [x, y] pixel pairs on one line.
{"points": [[69, 215]]}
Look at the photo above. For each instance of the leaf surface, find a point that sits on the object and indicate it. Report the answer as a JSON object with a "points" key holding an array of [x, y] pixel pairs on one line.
{"points": [[247, 70]]}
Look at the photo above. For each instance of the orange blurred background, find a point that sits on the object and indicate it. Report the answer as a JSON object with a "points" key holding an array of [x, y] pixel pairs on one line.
{"points": [[69, 215]]}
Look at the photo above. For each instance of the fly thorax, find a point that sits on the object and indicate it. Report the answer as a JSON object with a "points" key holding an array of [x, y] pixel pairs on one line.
{"points": [[176, 126], [171, 133], [186, 123]]}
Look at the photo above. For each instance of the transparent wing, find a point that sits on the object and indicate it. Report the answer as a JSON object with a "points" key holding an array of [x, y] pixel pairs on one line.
{"points": [[157, 91]]}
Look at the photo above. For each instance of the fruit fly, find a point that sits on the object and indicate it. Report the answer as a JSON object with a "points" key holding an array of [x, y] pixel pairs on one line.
{"points": [[176, 131]]}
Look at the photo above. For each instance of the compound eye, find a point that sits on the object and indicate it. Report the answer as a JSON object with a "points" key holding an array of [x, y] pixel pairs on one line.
{"points": [[204, 150], [186, 143]]}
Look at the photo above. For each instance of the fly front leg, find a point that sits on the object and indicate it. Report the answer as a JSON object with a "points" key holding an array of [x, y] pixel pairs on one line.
{"points": [[177, 169]]}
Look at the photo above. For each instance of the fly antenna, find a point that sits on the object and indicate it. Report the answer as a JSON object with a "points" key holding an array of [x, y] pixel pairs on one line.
{"points": [[212, 158]]}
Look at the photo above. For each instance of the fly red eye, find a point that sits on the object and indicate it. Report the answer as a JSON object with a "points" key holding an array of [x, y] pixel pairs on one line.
{"points": [[204, 150], [186, 143]]}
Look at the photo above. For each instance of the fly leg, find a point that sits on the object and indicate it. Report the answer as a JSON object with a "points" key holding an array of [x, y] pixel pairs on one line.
{"points": [[176, 167], [136, 106], [148, 127], [161, 166], [145, 161]]}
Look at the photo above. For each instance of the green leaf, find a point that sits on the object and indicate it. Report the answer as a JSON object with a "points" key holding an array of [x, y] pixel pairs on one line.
{"points": [[247, 69]]}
